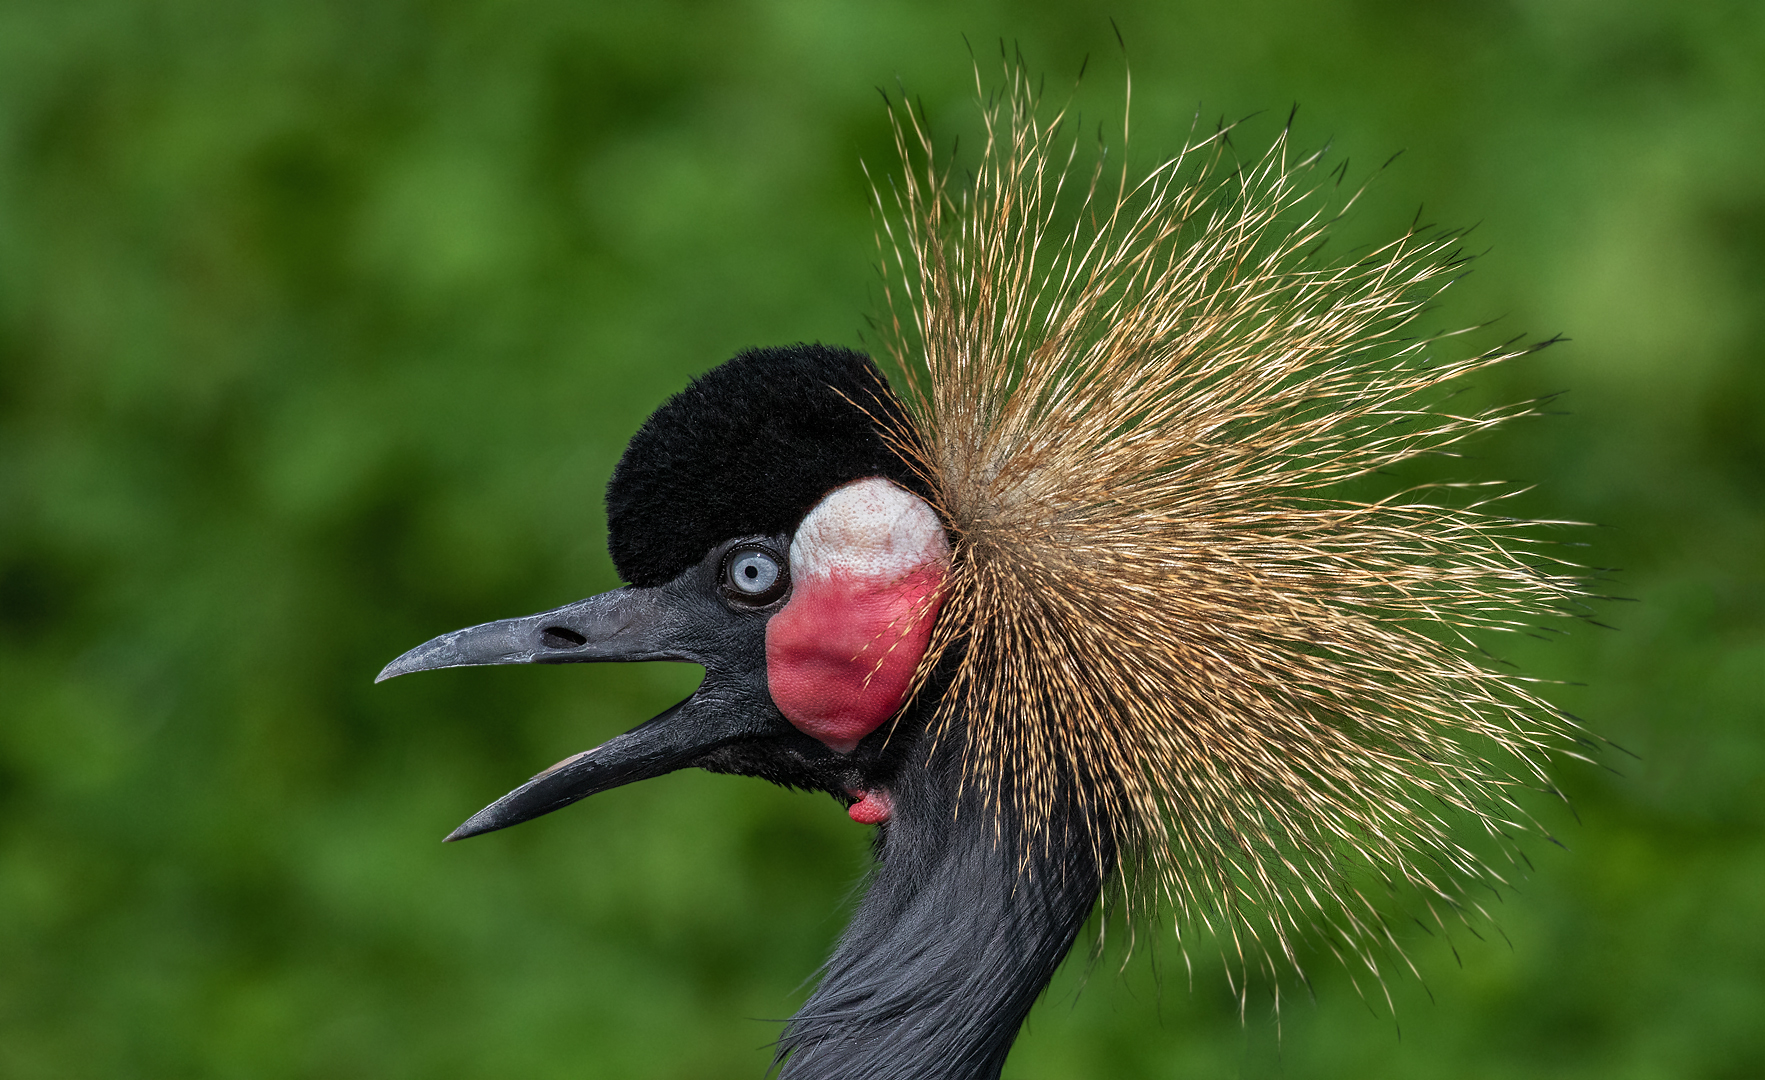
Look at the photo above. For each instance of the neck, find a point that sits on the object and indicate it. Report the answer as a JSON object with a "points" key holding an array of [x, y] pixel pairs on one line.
{"points": [[951, 946]]}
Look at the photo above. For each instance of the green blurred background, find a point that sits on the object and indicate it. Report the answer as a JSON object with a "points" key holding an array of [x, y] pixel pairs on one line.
{"points": [[322, 325]]}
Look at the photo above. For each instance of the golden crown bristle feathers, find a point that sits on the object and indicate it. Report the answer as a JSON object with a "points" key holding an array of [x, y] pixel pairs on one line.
{"points": [[1138, 402]]}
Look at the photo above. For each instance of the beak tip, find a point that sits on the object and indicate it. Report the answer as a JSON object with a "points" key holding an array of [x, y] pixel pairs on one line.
{"points": [[476, 825], [417, 659]]}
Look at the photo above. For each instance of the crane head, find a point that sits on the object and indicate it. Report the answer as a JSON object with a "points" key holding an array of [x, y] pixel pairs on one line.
{"points": [[768, 532]]}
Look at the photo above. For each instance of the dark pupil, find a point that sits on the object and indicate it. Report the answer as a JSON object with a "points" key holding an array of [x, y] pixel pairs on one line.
{"points": [[753, 572]]}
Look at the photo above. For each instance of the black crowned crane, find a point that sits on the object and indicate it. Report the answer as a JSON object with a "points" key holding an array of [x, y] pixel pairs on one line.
{"points": [[1081, 605]]}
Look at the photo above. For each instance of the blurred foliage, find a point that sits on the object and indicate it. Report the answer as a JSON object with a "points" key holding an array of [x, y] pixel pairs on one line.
{"points": [[322, 325]]}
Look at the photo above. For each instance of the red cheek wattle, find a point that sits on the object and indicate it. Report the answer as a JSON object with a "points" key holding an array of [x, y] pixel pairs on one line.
{"points": [[841, 654]]}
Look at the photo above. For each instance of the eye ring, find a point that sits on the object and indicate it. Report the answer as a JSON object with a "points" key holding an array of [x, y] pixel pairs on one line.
{"points": [[754, 574]]}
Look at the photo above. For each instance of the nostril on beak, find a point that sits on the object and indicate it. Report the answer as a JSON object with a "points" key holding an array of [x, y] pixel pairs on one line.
{"points": [[561, 637]]}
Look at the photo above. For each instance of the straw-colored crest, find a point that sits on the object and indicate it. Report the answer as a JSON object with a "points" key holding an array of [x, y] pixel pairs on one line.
{"points": [[1139, 425]]}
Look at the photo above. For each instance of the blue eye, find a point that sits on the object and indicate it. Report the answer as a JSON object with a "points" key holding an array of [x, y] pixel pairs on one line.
{"points": [[753, 572]]}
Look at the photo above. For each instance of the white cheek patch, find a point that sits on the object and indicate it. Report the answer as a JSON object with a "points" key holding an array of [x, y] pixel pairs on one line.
{"points": [[871, 530], [867, 567]]}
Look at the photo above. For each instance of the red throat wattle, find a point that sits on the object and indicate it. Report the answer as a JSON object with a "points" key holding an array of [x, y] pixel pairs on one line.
{"points": [[872, 808], [867, 566]]}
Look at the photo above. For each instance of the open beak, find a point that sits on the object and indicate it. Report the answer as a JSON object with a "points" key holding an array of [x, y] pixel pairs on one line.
{"points": [[623, 625]]}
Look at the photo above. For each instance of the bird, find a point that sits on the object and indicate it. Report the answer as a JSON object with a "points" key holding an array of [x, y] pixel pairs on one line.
{"points": [[1084, 606]]}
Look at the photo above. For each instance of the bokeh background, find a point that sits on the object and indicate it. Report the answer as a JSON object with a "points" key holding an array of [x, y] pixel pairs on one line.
{"points": [[323, 323]]}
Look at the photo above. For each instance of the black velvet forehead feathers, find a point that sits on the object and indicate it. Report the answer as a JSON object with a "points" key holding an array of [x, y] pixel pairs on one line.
{"points": [[748, 449]]}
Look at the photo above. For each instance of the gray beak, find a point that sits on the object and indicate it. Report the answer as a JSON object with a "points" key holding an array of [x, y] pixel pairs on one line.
{"points": [[622, 625], [627, 624]]}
